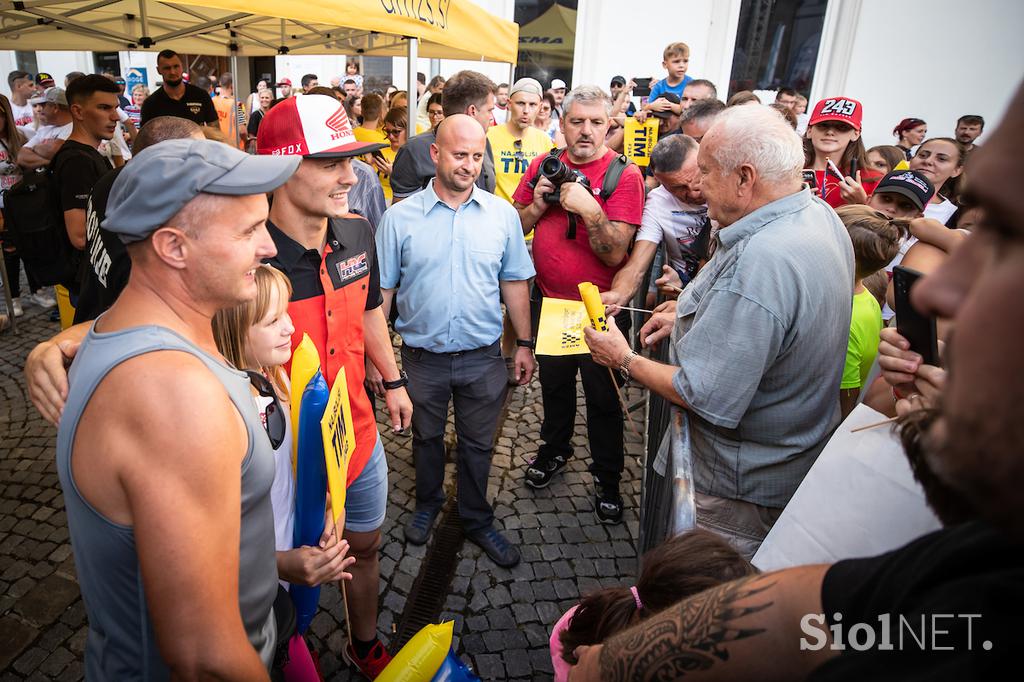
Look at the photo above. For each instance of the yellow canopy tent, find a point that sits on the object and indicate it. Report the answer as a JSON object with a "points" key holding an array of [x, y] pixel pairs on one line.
{"points": [[549, 39], [444, 29]]}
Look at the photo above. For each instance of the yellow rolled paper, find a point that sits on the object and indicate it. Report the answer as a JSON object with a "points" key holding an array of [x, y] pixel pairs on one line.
{"points": [[595, 309], [305, 363]]}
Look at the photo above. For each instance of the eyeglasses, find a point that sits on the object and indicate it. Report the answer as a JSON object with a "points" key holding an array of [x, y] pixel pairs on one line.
{"points": [[393, 132], [435, 114], [517, 146], [275, 419]]}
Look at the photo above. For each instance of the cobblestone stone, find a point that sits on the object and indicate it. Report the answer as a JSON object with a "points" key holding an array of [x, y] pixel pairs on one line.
{"points": [[502, 617]]}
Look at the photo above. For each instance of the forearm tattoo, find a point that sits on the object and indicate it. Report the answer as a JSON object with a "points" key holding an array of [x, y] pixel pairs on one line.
{"points": [[691, 637], [597, 234]]}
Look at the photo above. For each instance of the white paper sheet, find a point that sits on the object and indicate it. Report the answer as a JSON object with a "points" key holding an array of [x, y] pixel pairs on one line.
{"points": [[858, 499]]}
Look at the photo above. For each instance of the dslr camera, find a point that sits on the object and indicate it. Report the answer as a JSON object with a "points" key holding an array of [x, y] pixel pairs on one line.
{"points": [[558, 174]]}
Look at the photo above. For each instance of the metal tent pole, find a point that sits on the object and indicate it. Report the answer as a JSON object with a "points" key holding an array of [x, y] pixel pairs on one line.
{"points": [[411, 89]]}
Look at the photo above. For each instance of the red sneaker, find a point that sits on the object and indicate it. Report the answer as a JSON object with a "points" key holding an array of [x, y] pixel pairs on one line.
{"points": [[370, 665]]}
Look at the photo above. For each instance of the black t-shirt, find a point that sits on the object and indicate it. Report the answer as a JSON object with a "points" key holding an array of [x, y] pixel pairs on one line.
{"points": [[76, 169], [194, 105], [253, 127], [960, 587], [106, 272]]}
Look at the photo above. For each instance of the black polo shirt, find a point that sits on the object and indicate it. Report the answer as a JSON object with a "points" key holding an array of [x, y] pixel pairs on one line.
{"points": [[194, 105], [330, 294]]}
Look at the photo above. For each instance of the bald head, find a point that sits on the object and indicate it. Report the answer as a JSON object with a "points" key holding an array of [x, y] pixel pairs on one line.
{"points": [[458, 152], [164, 128], [459, 127]]}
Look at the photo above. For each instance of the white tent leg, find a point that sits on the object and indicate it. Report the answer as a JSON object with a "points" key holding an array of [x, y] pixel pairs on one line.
{"points": [[413, 59]]}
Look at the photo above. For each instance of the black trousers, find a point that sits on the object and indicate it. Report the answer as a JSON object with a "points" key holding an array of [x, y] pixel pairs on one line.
{"points": [[477, 382], [604, 414]]}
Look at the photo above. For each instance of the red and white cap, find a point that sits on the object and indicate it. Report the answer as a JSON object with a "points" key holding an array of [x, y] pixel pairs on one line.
{"points": [[310, 125], [844, 109]]}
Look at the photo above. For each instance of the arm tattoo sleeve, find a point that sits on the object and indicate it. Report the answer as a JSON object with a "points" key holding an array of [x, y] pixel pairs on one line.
{"points": [[690, 637]]}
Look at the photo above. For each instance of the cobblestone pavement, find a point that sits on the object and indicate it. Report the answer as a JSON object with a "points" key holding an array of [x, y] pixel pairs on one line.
{"points": [[502, 617]]}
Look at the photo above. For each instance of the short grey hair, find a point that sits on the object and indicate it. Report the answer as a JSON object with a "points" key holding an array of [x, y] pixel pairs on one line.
{"points": [[588, 94], [671, 153], [757, 136]]}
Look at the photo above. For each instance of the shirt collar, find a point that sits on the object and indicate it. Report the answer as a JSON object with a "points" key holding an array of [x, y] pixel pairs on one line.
{"points": [[430, 198], [289, 251], [754, 222]]}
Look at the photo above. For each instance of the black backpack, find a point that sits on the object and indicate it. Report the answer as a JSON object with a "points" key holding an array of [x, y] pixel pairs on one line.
{"points": [[35, 223]]}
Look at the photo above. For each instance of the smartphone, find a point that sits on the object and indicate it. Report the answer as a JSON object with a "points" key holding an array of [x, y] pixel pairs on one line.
{"points": [[916, 328], [643, 87], [853, 168], [376, 153], [809, 180]]}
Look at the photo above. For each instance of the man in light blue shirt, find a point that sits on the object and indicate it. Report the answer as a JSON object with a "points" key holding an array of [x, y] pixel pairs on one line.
{"points": [[451, 253]]}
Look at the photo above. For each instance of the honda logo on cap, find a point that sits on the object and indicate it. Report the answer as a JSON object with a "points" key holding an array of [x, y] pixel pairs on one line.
{"points": [[338, 122]]}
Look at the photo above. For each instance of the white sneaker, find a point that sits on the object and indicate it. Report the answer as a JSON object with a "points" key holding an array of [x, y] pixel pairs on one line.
{"points": [[42, 300], [16, 304]]}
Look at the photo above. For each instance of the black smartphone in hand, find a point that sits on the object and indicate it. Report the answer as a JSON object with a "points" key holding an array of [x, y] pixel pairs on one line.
{"points": [[809, 178], [642, 87], [916, 328]]}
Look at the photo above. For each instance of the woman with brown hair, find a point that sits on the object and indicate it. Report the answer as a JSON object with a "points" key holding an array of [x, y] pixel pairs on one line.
{"points": [[884, 158], [11, 140], [941, 160]]}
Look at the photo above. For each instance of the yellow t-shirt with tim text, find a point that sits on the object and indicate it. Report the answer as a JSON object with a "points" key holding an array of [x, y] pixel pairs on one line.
{"points": [[512, 160]]}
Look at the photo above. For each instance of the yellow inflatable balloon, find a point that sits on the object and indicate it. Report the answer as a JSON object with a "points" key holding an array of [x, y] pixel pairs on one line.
{"points": [[305, 363], [595, 309], [420, 658]]}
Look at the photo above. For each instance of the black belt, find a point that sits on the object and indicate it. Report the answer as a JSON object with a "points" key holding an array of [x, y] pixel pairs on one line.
{"points": [[457, 353]]}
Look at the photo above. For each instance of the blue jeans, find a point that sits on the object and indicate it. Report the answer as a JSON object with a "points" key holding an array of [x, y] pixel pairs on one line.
{"points": [[366, 500]]}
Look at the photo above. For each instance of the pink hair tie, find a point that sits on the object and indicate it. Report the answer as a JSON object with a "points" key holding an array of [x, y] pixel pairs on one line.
{"points": [[636, 598]]}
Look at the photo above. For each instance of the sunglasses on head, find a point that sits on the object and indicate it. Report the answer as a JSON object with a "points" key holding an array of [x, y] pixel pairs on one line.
{"points": [[275, 419]]}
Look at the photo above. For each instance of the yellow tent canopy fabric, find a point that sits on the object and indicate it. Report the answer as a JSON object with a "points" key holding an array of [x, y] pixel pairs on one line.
{"points": [[447, 29], [552, 34]]}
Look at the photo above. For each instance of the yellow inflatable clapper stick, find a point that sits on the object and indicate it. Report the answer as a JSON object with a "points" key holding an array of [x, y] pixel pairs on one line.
{"points": [[305, 363], [595, 309]]}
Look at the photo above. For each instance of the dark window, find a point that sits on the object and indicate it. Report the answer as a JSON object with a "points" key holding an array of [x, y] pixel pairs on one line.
{"points": [[547, 36], [777, 44]]}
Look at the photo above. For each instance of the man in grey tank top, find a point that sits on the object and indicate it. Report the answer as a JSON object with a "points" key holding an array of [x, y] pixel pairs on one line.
{"points": [[162, 457]]}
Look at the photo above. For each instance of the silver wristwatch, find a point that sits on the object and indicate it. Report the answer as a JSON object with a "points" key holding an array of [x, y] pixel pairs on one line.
{"points": [[626, 361]]}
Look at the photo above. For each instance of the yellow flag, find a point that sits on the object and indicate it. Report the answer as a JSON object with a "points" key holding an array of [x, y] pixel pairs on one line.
{"points": [[640, 139], [561, 328], [339, 442], [305, 363]]}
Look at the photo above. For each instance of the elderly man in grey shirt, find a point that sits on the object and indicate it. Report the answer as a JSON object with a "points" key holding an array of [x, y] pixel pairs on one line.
{"points": [[760, 334]]}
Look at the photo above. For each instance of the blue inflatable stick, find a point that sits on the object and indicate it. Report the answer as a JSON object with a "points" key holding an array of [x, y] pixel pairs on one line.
{"points": [[454, 670], [310, 490]]}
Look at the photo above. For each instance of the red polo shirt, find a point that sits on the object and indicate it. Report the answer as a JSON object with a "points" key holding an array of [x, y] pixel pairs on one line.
{"points": [[330, 293]]}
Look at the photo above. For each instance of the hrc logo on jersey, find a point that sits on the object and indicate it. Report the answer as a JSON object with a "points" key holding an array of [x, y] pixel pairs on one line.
{"points": [[352, 268]]}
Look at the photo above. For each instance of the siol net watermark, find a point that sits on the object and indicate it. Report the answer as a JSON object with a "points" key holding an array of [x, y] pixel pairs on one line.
{"points": [[927, 632]]}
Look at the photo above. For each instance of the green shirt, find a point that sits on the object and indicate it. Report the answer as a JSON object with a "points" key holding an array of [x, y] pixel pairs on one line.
{"points": [[865, 325]]}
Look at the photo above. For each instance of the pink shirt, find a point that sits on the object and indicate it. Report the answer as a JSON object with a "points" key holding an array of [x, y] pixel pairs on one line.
{"points": [[557, 662]]}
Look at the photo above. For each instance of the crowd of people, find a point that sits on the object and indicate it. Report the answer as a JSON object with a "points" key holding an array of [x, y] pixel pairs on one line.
{"points": [[766, 236]]}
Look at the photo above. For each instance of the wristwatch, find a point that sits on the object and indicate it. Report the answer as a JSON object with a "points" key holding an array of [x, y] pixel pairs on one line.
{"points": [[626, 361], [401, 381], [526, 343]]}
